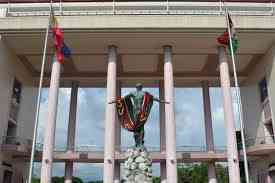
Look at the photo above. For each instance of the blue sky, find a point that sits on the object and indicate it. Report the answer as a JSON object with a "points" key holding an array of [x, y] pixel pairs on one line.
{"points": [[90, 124]]}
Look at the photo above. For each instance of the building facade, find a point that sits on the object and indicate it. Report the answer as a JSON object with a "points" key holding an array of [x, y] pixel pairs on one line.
{"points": [[117, 44]]}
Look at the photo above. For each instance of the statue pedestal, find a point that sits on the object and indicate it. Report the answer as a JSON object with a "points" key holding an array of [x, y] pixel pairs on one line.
{"points": [[138, 166]]}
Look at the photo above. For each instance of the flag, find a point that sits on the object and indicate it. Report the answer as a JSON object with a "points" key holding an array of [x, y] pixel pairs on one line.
{"points": [[62, 51], [224, 38]]}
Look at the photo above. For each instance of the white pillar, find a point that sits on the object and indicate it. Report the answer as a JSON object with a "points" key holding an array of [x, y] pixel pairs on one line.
{"points": [[117, 140], [208, 131], [232, 153], [170, 125], [162, 132], [110, 117], [71, 132], [49, 136]]}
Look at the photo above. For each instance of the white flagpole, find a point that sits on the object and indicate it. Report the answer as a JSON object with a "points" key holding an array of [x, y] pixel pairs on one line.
{"points": [[39, 98], [238, 96]]}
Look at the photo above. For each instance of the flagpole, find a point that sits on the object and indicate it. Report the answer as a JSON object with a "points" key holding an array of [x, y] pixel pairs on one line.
{"points": [[39, 98], [240, 111]]}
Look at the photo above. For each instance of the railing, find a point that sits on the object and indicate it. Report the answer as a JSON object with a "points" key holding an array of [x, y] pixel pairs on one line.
{"points": [[137, 8], [9, 140], [92, 148], [260, 140]]}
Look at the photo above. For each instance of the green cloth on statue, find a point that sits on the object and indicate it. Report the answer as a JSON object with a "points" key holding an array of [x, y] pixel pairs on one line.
{"points": [[134, 109]]}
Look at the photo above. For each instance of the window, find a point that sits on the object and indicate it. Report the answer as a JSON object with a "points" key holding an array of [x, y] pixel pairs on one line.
{"points": [[263, 89]]}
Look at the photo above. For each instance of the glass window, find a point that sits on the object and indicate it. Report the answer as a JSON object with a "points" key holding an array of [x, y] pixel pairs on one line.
{"points": [[89, 171], [90, 119], [217, 117], [61, 120], [263, 89], [190, 132]]}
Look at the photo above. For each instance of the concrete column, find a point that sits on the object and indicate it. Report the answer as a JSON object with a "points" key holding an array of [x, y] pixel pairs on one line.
{"points": [[69, 170], [71, 132], [162, 132], [207, 117], [110, 117], [49, 136], [208, 131], [170, 125], [117, 139], [232, 153]]}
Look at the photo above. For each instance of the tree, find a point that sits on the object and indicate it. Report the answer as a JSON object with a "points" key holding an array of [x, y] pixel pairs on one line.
{"points": [[222, 174], [198, 173], [35, 180], [60, 180], [156, 179]]}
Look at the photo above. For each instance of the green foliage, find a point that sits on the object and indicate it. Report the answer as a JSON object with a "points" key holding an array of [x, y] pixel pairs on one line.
{"points": [[35, 180], [59, 180], [222, 174], [156, 179], [198, 173], [99, 181]]}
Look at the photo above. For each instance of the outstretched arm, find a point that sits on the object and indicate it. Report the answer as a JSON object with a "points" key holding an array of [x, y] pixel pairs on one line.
{"points": [[112, 102], [160, 101]]}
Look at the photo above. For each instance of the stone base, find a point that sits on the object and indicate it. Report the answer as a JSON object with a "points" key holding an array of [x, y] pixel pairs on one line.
{"points": [[138, 166]]}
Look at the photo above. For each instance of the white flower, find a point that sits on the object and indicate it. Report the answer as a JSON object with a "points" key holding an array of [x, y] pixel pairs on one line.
{"points": [[144, 154], [133, 166], [130, 160], [140, 159]]}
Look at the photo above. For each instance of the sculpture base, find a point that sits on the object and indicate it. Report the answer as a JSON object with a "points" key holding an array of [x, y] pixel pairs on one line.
{"points": [[138, 166]]}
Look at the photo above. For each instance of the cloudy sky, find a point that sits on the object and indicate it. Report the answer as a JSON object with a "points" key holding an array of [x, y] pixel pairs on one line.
{"points": [[90, 124]]}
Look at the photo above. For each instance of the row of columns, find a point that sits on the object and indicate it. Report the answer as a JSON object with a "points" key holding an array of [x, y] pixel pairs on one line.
{"points": [[167, 123]]}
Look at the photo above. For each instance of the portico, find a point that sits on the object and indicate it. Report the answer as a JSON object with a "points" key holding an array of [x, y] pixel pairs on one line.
{"points": [[167, 149]]}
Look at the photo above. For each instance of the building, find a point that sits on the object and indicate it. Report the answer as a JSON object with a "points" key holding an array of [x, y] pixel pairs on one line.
{"points": [[164, 45]]}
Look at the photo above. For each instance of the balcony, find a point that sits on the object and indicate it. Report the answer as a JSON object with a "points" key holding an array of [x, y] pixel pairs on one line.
{"points": [[95, 154], [260, 146], [16, 145]]}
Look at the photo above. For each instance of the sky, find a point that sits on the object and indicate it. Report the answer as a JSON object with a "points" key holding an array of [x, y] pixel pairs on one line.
{"points": [[91, 116]]}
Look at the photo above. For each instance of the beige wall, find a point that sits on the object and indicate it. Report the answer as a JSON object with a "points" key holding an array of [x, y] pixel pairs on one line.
{"points": [[251, 101], [252, 111], [26, 114], [270, 70], [10, 68], [251, 95]]}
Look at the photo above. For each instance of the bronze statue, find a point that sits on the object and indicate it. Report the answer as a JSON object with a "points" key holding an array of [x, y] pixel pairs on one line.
{"points": [[133, 111]]}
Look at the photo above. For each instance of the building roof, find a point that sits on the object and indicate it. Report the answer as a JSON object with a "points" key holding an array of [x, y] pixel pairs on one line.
{"points": [[47, 1]]}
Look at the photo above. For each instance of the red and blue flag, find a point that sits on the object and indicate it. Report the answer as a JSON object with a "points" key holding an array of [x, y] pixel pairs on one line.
{"points": [[62, 51]]}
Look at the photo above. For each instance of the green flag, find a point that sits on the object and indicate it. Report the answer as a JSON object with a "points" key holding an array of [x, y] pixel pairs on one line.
{"points": [[234, 39]]}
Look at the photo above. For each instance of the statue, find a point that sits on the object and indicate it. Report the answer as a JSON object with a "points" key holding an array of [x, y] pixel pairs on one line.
{"points": [[133, 111]]}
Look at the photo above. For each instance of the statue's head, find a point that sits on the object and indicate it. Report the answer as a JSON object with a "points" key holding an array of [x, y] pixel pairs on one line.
{"points": [[139, 86]]}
